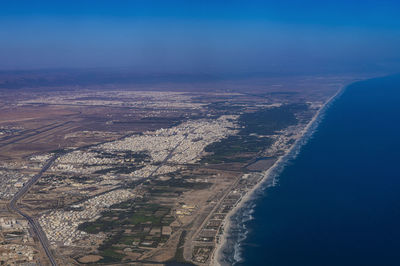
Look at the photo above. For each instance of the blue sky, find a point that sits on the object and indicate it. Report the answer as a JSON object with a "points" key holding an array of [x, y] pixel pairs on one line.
{"points": [[206, 36]]}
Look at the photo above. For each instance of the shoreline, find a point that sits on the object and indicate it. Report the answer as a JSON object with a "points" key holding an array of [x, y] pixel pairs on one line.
{"points": [[307, 132]]}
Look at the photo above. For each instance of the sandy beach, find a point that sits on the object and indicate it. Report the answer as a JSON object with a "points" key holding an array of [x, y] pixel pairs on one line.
{"points": [[271, 173]]}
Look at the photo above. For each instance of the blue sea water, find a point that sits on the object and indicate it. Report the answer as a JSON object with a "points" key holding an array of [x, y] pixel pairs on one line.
{"points": [[338, 201]]}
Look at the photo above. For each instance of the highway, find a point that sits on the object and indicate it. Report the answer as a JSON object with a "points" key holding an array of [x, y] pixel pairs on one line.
{"points": [[37, 229], [34, 224]]}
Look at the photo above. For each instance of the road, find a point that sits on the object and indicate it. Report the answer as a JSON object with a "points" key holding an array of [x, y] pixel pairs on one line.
{"points": [[37, 229], [32, 133], [35, 226]]}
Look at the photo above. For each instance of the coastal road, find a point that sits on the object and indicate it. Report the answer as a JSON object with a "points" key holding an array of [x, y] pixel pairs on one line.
{"points": [[37, 229]]}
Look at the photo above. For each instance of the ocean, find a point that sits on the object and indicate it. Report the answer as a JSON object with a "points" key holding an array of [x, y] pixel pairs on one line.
{"points": [[338, 201]]}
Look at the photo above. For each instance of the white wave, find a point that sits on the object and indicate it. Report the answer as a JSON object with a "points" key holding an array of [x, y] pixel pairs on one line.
{"points": [[243, 214]]}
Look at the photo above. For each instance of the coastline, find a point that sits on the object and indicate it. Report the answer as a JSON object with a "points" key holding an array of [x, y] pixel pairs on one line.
{"points": [[272, 172]]}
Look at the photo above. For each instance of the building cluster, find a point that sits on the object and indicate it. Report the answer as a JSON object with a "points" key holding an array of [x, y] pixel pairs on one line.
{"points": [[15, 254], [178, 145], [82, 162], [209, 234], [10, 182], [284, 140], [15, 242], [61, 227], [41, 158], [84, 157], [15, 229], [202, 253], [167, 150], [151, 169], [184, 143], [185, 210], [7, 131]]}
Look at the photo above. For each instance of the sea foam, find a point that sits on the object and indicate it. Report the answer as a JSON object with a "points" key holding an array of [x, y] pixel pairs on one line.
{"points": [[230, 252]]}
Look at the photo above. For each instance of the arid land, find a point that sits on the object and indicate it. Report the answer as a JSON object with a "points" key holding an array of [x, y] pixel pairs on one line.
{"points": [[140, 174]]}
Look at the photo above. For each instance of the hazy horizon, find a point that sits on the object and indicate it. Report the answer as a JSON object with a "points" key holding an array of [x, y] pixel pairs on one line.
{"points": [[204, 36]]}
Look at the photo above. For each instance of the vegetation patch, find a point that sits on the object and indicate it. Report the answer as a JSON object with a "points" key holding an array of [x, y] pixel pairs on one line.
{"points": [[253, 135], [131, 224]]}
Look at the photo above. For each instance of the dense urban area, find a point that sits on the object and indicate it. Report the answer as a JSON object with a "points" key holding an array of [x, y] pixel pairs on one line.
{"points": [[128, 176]]}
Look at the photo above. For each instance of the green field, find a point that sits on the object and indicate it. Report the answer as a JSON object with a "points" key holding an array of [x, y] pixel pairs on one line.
{"points": [[253, 135], [127, 223]]}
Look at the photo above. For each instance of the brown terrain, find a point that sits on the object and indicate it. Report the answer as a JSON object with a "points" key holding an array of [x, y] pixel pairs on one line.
{"points": [[113, 194]]}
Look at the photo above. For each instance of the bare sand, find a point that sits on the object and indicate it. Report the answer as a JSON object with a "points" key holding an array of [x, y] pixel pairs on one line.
{"points": [[270, 173], [90, 258]]}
